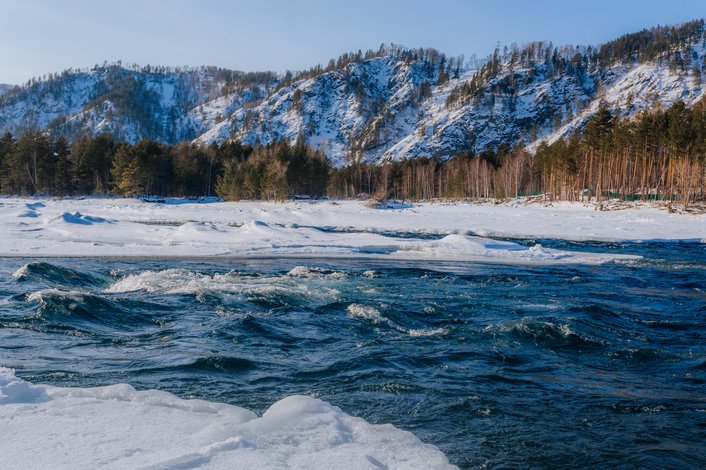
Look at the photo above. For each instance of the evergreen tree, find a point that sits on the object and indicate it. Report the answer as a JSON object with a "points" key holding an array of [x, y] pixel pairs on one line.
{"points": [[29, 168], [62, 172], [7, 145]]}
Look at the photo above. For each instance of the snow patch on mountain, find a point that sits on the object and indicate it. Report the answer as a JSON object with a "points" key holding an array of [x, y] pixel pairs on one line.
{"points": [[630, 90]]}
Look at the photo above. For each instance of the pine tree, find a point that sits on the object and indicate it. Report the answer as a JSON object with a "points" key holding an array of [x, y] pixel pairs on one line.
{"points": [[7, 144], [62, 172]]}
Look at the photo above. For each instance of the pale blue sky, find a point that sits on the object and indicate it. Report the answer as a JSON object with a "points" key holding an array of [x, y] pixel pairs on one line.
{"points": [[42, 36]]}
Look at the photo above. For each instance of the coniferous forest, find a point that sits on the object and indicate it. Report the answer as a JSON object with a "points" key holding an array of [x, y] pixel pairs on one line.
{"points": [[661, 154]]}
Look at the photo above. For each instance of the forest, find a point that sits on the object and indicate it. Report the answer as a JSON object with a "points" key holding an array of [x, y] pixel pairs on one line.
{"points": [[661, 154]]}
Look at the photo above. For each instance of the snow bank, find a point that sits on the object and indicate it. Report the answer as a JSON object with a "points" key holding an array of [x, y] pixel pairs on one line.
{"points": [[345, 229], [119, 427]]}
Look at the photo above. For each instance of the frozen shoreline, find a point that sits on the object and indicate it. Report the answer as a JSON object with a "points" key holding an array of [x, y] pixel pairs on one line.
{"points": [[118, 427], [105, 227]]}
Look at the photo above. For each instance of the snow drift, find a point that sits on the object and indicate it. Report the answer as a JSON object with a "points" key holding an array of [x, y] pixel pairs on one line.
{"points": [[119, 427]]}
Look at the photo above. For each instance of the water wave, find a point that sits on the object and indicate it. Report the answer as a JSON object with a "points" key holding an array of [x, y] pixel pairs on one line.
{"points": [[371, 314], [87, 310], [366, 312], [417, 332], [207, 364], [56, 275], [314, 272], [646, 355], [549, 333], [222, 364], [186, 282]]}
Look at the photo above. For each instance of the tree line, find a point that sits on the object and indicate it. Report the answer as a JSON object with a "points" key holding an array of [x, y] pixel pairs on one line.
{"points": [[490, 174], [37, 163], [660, 154]]}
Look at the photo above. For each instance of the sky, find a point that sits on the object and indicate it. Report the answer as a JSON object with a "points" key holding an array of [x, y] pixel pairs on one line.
{"points": [[43, 36]]}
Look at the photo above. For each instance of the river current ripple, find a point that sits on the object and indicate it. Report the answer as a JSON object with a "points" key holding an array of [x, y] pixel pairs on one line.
{"points": [[499, 366]]}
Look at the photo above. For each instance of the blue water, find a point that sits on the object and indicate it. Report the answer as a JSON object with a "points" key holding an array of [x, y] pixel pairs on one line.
{"points": [[499, 366]]}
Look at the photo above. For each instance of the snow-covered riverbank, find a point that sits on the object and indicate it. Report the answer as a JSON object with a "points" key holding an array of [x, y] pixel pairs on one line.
{"points": [[129, 227], [118, 427]]}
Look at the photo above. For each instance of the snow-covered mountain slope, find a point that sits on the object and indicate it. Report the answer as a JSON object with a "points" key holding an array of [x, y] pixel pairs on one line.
{"points": [[131, 104], [359, 110], [629, 90], [544, 107], [4, 88], [495, 115], [387, 105], [388, 108]]}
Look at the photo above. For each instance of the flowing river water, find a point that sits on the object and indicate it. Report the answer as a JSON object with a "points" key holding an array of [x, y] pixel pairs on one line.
{"points": [[499, 366]]}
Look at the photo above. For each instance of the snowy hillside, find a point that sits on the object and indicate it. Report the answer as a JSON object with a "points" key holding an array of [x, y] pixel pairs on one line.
{"points": [[388, 108], [391, 104], [130, 103], [361, 109], [524, 105]]}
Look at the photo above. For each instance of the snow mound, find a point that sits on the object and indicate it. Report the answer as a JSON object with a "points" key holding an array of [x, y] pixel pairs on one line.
{"points": [[471, 247], [119, 427], [79, 219], [27, 213]]}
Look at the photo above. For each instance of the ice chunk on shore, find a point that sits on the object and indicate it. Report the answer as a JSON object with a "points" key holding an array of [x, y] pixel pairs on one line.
{"points": [[119, 427]]}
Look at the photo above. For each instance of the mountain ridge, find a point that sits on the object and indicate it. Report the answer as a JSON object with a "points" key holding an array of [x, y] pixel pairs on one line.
{"points": [[385, 105]]}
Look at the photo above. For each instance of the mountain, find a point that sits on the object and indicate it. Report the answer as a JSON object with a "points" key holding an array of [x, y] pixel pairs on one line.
{"points": [[131, 103], [383, 105], [356, 110]]}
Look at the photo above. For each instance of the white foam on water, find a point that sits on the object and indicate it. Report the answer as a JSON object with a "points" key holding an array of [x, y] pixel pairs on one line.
{"points": [[168, 281], [365, 312], [41, 295], [22, 272], [117, 427], [371, 314], [185, 282], [177, 281], [427, 332], [313, 272]]}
